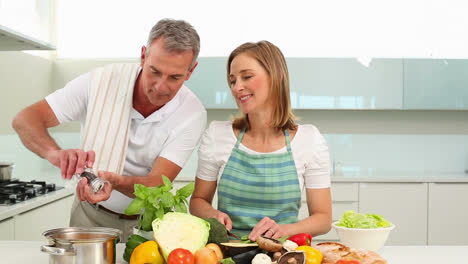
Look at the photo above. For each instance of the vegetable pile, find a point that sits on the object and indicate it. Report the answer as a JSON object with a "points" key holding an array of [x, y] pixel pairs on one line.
{"points": [[181, 238], [351, 219]]}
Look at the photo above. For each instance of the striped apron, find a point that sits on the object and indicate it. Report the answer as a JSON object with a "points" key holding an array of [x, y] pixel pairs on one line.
{"points": [[253, 186]]}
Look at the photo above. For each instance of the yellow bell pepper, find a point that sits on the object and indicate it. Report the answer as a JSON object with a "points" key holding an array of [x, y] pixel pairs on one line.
{"points": [[313, 255], [147, 252]]}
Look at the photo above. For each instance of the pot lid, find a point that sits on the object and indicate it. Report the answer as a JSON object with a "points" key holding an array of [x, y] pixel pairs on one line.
{"points": [[82, 234], [6, 163]]}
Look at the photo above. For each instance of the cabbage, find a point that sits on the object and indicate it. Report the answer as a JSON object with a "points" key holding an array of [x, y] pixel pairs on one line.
{"points": [[352, 219], [180, 230]]}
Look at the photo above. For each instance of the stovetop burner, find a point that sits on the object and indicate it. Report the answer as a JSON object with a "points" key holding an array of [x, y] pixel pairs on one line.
{"points": [[14, 191]]}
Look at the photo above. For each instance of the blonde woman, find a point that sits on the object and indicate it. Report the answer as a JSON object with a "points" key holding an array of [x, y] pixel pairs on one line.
{"points": [[262, 161]]}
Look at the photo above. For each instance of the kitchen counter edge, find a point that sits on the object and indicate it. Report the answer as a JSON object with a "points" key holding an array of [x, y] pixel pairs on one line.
{"points": [[444, 178], [7, 211]]}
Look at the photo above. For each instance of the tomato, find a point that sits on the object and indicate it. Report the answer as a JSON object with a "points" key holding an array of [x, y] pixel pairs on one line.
{"points": [[348, 261], [180, 256]]}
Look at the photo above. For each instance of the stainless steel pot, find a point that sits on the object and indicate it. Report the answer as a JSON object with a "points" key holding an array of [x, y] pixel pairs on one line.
{"points": [[6, 170], [80, 245]]}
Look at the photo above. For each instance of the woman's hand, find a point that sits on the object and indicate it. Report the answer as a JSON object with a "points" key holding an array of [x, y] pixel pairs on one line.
{"points": [[223, 219], [267, 227]]}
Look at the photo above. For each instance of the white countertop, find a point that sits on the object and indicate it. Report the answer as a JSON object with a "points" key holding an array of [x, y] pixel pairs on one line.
{"points": [[7, 211], [22, 252]]}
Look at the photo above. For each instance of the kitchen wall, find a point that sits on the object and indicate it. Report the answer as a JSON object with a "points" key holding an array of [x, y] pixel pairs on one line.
{"points": [[24, 79], [362, 142]]}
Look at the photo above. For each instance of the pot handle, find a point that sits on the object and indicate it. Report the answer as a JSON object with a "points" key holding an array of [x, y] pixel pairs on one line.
{"points": [[51, 249]]}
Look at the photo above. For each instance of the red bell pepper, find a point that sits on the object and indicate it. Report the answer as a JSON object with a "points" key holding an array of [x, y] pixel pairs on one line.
{"points": [[302, 239]]}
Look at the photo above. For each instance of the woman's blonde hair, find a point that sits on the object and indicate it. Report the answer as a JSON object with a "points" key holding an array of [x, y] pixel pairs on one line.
{"points": [[272, 60]]}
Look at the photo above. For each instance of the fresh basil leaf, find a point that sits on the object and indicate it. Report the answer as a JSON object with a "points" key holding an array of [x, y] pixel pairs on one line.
{"points": [[186, 191], [148, 217], [141, 191], [167, 184], [153, 199], [180, 207], [167, 200], [159, 213], [135, 206], [155, 191]]}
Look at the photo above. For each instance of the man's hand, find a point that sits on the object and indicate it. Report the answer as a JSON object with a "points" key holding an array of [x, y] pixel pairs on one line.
{"points": [[71, 161], [84, 192]]}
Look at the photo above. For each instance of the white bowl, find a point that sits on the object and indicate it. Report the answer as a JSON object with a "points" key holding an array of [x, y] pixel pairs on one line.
{"points": [[363, 238]]}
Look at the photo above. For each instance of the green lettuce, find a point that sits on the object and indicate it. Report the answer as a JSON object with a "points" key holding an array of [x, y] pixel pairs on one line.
{"points": [[180, 230], [351, 219]]}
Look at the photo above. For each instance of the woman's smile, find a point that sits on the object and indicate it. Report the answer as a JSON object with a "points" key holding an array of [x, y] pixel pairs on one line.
{"points": [[245, 98]]}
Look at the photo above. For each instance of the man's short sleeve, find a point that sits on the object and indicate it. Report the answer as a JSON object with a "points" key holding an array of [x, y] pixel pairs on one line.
{"points": [[70, 103], [184, 139]]}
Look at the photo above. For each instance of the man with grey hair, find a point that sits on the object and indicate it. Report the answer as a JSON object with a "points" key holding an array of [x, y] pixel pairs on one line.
{"points": [[138, 122]]}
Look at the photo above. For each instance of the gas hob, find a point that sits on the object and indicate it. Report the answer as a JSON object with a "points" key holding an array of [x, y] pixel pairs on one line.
{"points": [[15, 191]]}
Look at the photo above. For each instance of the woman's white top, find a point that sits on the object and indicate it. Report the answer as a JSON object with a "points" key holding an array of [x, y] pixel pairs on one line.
{"points": [[309, 148]]}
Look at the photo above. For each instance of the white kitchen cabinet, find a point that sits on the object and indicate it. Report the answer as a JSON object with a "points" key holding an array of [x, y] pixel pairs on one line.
{"points": [[448, 214], [404, 204], [314, 83], [13, 40], [344, 197], [435, 84], [7, 229], [31, 224]]}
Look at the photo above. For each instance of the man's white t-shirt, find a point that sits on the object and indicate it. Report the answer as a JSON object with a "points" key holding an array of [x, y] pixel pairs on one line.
{"points": [[171, 132], [309, 148]]}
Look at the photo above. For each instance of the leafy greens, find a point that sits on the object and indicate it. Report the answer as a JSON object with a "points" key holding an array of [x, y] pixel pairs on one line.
{"points": [[351, 219], [158, 200]]}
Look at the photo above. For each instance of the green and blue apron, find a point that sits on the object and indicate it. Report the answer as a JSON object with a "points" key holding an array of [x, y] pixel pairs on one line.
{"points": [[253, 186]]}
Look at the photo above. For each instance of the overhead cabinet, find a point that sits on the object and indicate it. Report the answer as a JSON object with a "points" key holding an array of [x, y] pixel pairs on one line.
{"points": [[314, 84], [209, 83], [436, 84], [333, 83], [11, 40]]}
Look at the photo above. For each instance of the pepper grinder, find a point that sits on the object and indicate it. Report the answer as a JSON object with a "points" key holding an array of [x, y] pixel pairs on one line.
{"points": [[94, 182]]}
